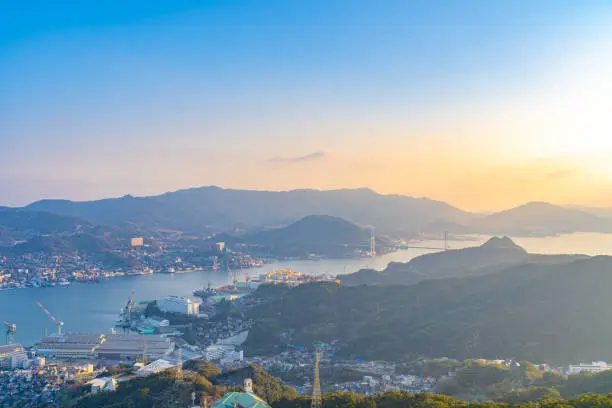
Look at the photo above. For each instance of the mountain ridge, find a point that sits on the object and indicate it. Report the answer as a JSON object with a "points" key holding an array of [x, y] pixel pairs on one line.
{"points": [[212, 209]]}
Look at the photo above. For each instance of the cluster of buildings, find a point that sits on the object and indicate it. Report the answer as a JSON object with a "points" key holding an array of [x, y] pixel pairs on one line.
{"points": [[13, 356], [216, 331], [43, 270], [370, 384], [39, 384], [138, 256], [593, 367]]}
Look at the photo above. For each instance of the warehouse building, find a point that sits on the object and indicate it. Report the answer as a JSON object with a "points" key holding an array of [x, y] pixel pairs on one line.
{"points": [[130, 347]]}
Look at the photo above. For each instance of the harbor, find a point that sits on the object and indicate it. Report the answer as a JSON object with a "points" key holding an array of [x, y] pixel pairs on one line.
{"points": [[85, 307], [95, 307]]}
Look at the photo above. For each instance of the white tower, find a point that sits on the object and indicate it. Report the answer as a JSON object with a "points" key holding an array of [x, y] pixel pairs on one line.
{"points": [[248, 385]]}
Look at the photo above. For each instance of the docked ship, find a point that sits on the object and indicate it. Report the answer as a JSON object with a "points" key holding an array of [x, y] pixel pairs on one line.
{"points": [[206, 293]]}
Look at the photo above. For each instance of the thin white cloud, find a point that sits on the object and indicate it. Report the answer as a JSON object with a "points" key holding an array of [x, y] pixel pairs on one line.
{"points": [[318, 155]]}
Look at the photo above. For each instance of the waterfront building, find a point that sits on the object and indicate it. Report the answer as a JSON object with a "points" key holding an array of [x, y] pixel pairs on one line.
{"points": [[176, 304], [130, 347], [246, 399], [110, 347], [70, 345]]}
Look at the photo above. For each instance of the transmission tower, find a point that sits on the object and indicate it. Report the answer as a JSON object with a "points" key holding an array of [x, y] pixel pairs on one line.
{"points": [[179, 367], [317, 402]]}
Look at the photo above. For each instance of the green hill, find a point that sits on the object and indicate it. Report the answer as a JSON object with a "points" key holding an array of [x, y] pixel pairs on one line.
{"points": [[39, 222], [270, 388], [535, 312], [319, 234], [494, 255], [162, 390]]}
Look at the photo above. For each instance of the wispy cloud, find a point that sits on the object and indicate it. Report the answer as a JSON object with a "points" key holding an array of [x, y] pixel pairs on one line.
{"points": [[318, 155]]}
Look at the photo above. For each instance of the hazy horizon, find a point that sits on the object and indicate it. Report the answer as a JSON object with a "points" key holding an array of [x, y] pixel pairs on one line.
{"points": [[483, 105]]}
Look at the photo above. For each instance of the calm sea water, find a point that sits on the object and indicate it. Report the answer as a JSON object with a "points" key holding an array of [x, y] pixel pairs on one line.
{"points": [[94, 307]]}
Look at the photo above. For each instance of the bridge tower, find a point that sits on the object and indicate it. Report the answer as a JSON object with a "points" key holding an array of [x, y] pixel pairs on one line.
{"points": [[372, 244]]}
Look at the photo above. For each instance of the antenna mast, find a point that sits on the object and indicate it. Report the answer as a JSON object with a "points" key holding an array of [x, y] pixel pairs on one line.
{"points": [[144, 352], [179, 367]]}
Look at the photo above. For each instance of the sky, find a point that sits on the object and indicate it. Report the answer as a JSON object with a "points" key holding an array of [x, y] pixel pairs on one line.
{"points": [[483, 104]]}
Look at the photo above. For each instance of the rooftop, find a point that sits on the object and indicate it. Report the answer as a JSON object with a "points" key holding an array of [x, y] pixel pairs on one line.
{"points": [[241, 400], [10, 349]]}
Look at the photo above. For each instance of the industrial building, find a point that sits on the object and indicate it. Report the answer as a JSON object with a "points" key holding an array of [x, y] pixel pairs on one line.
{"points": [[176, 304], [70, 346], [110, 347]]}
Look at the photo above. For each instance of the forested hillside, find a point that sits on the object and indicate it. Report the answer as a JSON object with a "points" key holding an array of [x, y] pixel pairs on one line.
{"points": [[537, 312]]}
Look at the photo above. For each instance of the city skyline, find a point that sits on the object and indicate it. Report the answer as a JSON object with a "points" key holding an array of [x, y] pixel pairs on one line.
{"points": [[484, 106]]}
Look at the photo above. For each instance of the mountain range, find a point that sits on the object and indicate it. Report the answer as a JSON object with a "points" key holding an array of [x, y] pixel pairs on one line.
{"points": [[215, 210]]}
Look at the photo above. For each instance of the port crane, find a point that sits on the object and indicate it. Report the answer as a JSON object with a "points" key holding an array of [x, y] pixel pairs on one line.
{"points": [[11, 328], [53, 319]]}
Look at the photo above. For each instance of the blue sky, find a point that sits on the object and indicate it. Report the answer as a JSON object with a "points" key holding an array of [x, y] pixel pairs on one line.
{"points": [[102, 98]]}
